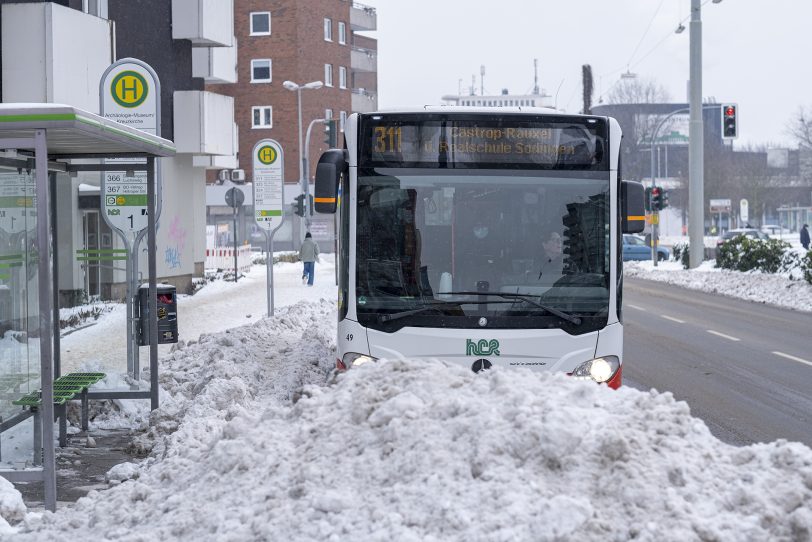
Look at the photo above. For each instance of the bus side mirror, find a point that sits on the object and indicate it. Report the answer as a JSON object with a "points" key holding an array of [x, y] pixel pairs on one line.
{"points": [[332, 165], [632, 211]]}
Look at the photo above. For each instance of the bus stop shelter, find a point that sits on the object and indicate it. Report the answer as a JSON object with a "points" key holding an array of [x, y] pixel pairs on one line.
{"points": [[44, 139]]}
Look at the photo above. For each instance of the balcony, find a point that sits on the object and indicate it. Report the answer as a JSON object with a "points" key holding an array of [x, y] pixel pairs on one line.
{"points": [[206, 23], [215, 64], [364, 101], [204, 123], [53, 54], [363, 60], [363, 17]]}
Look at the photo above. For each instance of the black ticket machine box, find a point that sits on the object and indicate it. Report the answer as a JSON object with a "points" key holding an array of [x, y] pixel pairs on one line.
{"points": [[167, 314]]}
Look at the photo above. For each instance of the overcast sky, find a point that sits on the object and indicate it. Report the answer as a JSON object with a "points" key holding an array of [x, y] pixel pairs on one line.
{"points": [[756, 52]]}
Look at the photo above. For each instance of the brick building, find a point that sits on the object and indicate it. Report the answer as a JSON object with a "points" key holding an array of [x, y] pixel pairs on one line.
{"points": [[299, 41]]}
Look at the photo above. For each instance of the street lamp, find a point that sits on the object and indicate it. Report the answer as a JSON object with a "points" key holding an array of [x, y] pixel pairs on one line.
{"points": [[304, 183], [696, 159]]}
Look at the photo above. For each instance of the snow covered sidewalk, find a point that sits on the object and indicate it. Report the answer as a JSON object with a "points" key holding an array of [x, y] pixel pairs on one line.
{"points": [[773, 289]]}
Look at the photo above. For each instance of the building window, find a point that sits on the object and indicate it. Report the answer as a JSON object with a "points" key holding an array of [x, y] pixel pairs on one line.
{"points": [[328, 29], [328, 75], [342, 77], [262, 116], [260, 23], [342, 33], [328, 114], [342, 119], [261, 70]]}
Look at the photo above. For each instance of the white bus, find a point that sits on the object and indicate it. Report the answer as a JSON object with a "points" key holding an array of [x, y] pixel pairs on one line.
{"points": [[485, 237]]}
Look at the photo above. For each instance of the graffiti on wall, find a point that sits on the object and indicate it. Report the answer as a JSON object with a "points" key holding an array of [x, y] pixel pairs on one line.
{"points": [[176, 243]]}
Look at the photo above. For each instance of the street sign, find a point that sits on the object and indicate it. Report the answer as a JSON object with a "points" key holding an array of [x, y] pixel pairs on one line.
{"points": [[130, 94], [720, 206], [269, 184], [744, 210], [17, 202], [235, 197]]}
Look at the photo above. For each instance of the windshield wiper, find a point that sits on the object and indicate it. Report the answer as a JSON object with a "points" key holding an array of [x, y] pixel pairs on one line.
{"points": [[429, 306], [526, 298]]}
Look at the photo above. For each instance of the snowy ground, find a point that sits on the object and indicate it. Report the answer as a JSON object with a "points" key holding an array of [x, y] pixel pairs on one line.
{"points": [[773, 289], [257, 440]]}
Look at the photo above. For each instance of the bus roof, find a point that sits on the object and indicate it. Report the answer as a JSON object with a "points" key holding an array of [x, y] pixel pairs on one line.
{"points": [[471, 109]]}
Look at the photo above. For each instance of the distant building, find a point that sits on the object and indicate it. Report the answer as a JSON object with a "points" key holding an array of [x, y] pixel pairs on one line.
{"points": [[505, 99]]}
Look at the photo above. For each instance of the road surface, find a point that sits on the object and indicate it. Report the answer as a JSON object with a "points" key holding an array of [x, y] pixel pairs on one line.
{"points": [[744, 368]]}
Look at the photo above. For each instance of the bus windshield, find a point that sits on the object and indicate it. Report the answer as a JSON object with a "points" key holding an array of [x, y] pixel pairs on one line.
{"points": [[426, 236]]}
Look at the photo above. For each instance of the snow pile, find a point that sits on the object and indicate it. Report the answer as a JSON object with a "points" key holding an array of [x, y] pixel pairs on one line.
{"points": [[773, 289], [408, 450], [12, 508]]}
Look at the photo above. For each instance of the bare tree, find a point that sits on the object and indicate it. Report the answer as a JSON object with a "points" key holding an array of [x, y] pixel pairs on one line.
{"points": [[800, 127], [637, 91]]}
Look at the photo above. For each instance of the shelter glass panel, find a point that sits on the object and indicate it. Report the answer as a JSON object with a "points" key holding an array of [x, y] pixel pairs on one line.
{"points": [[19, 311]]}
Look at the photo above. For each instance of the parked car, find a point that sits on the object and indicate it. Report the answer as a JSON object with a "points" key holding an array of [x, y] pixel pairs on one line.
{"points": [[635, 248], [774, 230], [752, 233]]}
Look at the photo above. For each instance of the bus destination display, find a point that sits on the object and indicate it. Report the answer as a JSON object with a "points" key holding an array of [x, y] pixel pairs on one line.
{"points": [[459, 143]]}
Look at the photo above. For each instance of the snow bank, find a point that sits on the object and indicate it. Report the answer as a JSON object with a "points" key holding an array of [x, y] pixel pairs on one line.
{"points": [[12, 508], [772, 289], [427, 451]]}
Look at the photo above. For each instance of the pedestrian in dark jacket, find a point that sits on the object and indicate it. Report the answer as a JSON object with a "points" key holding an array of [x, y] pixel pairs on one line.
{"points": [[309, 253], [805, 236]]}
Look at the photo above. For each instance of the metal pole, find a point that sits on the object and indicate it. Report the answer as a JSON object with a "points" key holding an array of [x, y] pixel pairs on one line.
{"points": [[302, 180], [234, 215], [63, 418], [269, 271], [153, 289], [45, 330], [129, 299], [696, 189]]}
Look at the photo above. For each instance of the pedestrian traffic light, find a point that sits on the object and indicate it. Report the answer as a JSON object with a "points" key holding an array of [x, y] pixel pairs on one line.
{"points": [[656, 198], [330, 135], [730, 128], [298, 205], [310, 197]]}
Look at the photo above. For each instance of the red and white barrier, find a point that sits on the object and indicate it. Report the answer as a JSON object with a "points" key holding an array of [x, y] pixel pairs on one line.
{"points": [[223, 258]]}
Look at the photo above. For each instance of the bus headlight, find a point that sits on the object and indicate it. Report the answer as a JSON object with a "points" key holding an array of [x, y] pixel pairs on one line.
{"points": [[599, 369], [351, 359]]}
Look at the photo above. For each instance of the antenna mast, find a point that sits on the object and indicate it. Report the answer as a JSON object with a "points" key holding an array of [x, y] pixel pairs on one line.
{"points": [[536, 76], [482, 80]]}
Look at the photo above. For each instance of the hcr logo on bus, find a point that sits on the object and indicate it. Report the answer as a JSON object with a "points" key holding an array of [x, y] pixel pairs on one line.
{"points": [[483, 347]]}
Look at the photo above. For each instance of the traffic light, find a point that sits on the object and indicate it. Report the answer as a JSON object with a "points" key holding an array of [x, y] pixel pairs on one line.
{"points": [[330, 134], [663, 199], [730, 128], [310, 197], [656, 198], [299, 206], [647, 199]]}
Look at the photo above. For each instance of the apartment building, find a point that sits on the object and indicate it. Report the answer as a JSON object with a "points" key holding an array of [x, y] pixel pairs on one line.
{"points": [[56, 52]]}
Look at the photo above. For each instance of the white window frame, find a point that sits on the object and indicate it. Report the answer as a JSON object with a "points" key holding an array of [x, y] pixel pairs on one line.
{"points": [[270, 70], [328, 114], [261, 109], [342, 77], [342, 33], [328, 75], [251, 23], [342, 118], [328, 29]]}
